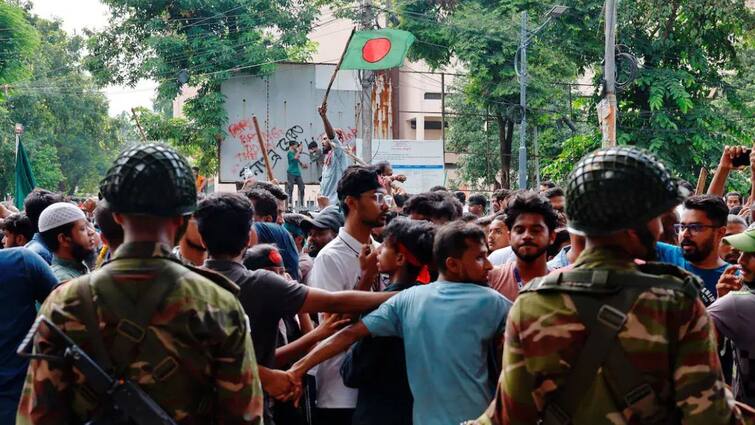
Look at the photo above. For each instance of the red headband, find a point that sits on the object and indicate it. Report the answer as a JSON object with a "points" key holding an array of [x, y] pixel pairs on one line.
{"points": [[424, 272]]}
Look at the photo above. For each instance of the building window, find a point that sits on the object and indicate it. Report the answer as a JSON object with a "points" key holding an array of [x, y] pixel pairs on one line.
{"points": [[432, 96], [429, 125]]}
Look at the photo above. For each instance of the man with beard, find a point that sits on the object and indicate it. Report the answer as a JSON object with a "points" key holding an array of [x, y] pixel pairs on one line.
{"points": [[17, 230], [335, 160], [734, 226], [611, 341], [732, 314], [65, 230], [337, 268], [451, 330], [702, 227], [533, 222]]}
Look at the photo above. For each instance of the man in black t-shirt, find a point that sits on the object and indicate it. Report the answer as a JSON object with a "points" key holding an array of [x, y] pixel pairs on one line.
{"points": [[225, 225]]}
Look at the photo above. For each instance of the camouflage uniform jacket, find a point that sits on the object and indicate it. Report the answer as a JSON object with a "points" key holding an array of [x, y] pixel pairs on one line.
{"points": [[199, 324], [668, 337]]}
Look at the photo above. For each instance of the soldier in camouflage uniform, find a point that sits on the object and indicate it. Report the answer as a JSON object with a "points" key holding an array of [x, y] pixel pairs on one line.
{"points": [[179, 333], [612, 342]]}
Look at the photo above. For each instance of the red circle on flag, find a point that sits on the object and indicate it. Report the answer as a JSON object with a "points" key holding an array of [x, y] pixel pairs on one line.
{"points": [[376, 49]]}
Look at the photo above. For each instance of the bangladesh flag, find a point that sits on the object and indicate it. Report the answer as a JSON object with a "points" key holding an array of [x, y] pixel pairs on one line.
{"points": [[24, 177], [377, 49]]}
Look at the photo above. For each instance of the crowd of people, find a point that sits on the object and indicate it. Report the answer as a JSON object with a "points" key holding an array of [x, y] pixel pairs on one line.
{"points": [[621, 298]]}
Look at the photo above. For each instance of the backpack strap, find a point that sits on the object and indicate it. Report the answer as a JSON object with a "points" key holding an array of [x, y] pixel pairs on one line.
{"points": [[92, 323], [133, 317], [603, 299]]}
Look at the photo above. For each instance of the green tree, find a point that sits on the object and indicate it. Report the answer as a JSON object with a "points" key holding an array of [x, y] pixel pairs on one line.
{"points": [[483, 36], [69, 135], [201, 43], [693, 92], [18, 39]]}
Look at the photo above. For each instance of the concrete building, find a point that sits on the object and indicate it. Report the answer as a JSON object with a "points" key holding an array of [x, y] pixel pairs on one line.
{"points": [[407, 102]]}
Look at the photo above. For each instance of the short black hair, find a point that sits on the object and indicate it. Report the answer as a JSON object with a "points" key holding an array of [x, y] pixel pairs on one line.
{"points": [[381, 166], [50, 236], [452, 239], [434, 205], [737, 194], [224, 221], [501, 194], [553, 192], [713, 206], [18, 224], [547, 183], [461, 196], [468, 217], [112, 231], [274, 189], [36, 202], [258, 257], [485, 220], [531, 203], [400, 199], [478, 199], [264, 202], [438, 189], [312, 145], [416, 236], [356, 180]]}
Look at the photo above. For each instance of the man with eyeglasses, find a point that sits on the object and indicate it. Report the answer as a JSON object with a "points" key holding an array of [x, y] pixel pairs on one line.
{"points": [[702, 227], [340, 267]]}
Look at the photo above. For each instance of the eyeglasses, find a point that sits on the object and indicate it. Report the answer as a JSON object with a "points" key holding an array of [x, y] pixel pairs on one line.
{"points": [[382, 198], [693, 228]]}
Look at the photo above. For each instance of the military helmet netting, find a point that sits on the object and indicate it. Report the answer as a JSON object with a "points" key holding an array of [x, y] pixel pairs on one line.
{"points": [[619, 188], [150, 179]]}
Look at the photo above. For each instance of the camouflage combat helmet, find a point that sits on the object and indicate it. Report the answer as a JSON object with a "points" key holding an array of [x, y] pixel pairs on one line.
{"points": [[150, 179], [619, 188]]}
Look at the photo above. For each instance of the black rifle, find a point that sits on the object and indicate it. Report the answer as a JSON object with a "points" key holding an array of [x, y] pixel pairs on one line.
{"points": [[126, 402]]}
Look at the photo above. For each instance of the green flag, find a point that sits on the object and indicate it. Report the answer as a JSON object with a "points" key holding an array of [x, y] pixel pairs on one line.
{"points": [[377, 49], [24, 177]]}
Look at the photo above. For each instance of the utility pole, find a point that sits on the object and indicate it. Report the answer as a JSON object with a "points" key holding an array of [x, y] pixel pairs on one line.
{"points": [[523, 103], [608, 108], [367, 80]]}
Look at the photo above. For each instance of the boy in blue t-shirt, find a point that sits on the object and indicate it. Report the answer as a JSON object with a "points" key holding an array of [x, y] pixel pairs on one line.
{"points": [[451, 328]]}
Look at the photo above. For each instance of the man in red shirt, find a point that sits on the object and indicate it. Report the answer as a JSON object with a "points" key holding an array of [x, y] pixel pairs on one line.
{"points": [[532, 222]]}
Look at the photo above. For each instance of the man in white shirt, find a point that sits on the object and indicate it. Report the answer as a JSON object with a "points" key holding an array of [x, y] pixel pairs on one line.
{"points": [[337, 268]]}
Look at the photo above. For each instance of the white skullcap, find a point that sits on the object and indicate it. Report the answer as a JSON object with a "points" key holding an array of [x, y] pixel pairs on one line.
{"points": [[58, 214]]}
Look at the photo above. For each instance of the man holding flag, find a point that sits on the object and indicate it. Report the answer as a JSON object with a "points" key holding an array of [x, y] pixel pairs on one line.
{"points": [[365, 50]]}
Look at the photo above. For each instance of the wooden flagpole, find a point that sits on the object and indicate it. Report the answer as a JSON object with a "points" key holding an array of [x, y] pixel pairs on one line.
{"points": [[701, 180], [338, 66], [263, 148]]}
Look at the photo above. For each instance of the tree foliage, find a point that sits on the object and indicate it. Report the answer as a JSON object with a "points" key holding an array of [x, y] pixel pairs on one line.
{"points": [[204, 42], [68, 135], [18, 39], [692, 95]]}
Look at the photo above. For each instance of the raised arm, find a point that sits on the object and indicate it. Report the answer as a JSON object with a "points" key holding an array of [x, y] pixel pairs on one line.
{"points": [[718, 184], [323, 110]]}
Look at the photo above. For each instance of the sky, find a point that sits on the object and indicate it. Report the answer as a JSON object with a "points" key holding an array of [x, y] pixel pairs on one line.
{"points": [[79, 14]]}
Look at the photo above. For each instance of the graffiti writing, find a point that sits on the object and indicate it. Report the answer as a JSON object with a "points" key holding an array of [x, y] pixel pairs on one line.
{"points": [[250, 162]]}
